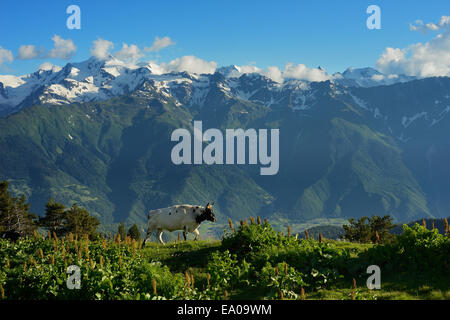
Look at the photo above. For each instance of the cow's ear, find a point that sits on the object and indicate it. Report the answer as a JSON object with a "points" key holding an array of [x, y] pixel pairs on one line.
{"points": [[207, 205]]}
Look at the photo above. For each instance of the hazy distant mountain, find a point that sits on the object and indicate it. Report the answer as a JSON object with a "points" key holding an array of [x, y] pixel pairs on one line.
{"points": [[98, 133]]}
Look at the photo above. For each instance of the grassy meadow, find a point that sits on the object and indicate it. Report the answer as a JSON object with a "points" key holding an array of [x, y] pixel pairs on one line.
{"points": [[252, 261]]}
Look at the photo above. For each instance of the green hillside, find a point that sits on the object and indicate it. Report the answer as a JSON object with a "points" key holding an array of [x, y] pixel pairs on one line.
{"points": [[113, 158]]}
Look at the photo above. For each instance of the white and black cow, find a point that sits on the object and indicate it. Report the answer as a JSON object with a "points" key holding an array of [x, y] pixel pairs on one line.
{"points": [[184, 217]]}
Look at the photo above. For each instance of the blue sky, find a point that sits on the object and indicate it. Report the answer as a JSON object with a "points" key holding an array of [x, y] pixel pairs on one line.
{"points": [[332, 34]]}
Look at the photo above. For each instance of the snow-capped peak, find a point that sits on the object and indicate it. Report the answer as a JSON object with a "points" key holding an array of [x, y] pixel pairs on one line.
{"points": [[360, 73], [47, 66], [232, 71], [98, 79], [368, 77]]}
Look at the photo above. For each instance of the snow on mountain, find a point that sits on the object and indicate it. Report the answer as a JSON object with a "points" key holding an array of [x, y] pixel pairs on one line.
{"points": [[230, 71], [368, 77], [100, 79]]}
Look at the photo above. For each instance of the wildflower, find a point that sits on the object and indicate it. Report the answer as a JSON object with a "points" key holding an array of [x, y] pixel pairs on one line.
{"points": [[187, 279], [154, 286]]}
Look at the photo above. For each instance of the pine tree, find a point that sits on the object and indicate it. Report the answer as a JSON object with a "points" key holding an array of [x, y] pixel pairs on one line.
{"points": [[366, 229], [382, 227], [80, 222], [15, 217], [121, 231], [357, 230], [55, 218], [134, 233]]}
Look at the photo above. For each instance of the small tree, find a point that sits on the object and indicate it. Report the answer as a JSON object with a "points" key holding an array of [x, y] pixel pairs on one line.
{"points": [[366, 229], [55, 217], [15, 216], [358, 230], [121, 231], [382, 226], [134, 233], [79, 222]]}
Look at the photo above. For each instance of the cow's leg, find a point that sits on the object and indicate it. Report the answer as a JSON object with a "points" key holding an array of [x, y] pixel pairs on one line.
{"points": [[196, 234], [160, 236], [149, 233], [184, 233]]}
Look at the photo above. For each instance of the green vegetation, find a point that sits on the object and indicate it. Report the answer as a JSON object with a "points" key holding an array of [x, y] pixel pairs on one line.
{"points": [[253, 261], [113, 158], [121, 230], [134, 233], [16, 220], [15, 217], [375, 229]]}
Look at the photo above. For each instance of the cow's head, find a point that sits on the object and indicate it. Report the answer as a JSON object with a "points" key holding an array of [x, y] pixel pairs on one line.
{"points": [[208, 213]]}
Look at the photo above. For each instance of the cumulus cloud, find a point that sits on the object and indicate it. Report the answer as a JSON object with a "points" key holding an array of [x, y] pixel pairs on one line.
{"points": [[250, 69], [28, 52], [101, 48], [190, 64], [159, 44], [5, 56], [63, 48], [301, 71], [129, 53], [420, 26], [427, 59], [275, 74], [290, 71]]}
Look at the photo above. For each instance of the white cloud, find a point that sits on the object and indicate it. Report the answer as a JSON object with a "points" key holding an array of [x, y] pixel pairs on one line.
{"points": [[427, 59], [63, 48], [290, 71], [5, 56], [250, 69], [190, 64], [28, 52], [302, 72], [159, 43], [101, 48], [419, 26], [275, 74], [129, 53]]}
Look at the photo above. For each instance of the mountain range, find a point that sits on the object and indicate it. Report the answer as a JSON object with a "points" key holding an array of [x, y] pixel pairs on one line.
{"points": [[98, 133]]}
